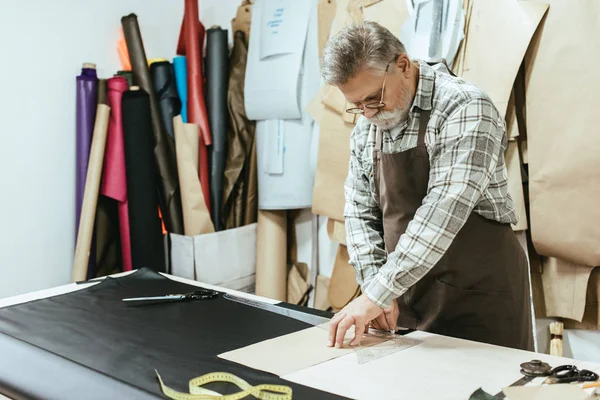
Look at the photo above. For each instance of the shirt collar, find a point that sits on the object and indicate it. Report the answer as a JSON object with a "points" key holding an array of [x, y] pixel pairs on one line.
{"points": [[424, 93]]}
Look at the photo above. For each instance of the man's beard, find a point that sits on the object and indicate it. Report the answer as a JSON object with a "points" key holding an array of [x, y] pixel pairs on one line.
{"points": [[390, 119]]}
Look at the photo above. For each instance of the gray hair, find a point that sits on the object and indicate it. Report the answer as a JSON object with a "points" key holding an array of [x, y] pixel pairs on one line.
{"points": [[356, 47]]}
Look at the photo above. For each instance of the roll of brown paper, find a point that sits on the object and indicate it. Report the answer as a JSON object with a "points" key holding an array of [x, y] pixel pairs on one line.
{"points": [[90, 194], [271, 254], [196, 218]]}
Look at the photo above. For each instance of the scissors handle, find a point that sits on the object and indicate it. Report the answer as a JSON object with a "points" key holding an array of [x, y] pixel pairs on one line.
{"points": [[202, 294], [588, 376], [570, 373]]}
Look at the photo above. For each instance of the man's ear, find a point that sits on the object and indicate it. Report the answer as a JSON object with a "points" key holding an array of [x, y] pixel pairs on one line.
{"points": [[404, 65]]}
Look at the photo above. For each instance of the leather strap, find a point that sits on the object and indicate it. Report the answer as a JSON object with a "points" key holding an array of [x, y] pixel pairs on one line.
{"points": [[423, 120], [378, 139]]}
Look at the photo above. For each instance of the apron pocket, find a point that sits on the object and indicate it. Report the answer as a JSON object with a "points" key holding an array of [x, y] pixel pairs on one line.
{"points": [[479, 315]]}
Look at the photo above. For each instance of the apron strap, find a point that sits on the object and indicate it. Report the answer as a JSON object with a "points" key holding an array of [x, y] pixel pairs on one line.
{"points": [[423, 120], [378, 139]]}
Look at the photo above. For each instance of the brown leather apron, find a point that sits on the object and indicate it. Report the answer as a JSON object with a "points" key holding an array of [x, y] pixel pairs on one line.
{"points": [[479, 289]]}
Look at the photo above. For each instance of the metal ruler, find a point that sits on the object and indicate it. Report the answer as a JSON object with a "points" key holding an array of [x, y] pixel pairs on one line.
{"points": [[311, 319]]}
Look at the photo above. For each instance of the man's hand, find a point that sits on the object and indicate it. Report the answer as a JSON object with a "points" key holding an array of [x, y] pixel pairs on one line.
{"points": [[387, 321], [359, 312]]}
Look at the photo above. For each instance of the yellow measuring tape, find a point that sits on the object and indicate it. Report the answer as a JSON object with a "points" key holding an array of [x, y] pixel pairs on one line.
{"points": [[197, 392]]}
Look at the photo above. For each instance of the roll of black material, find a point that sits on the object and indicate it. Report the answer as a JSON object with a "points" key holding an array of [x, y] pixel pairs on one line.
{"points": [[217, 78], [164, 146], [147, 249], [163, 82]]}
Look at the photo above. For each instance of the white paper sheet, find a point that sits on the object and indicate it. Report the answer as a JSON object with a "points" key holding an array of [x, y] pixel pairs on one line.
{"points": [[272, 82], [293, 187], [434, 30], [441, 368], [226, 257], [282, 20], [275, 146], [549, 392], [287, 147]]}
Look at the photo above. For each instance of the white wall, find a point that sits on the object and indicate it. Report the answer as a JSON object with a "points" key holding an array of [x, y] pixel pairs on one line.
{"points": [[44, 44]]}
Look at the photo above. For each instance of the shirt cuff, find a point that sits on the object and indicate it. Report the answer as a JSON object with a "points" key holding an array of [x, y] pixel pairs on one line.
{"points": [[380, 291]]}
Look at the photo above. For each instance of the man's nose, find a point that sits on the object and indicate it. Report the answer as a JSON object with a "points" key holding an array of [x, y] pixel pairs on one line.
{"points": [[370, 112]]}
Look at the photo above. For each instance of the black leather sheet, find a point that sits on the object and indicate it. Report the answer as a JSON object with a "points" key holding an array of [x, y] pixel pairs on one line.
{"points": [[123, 345]]}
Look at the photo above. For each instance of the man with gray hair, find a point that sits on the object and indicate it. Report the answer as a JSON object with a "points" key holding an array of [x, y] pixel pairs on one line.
{"points": [[428, 215]]}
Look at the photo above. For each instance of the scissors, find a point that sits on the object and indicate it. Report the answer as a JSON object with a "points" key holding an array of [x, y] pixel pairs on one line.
{"points": [[561, 374], [570, 373], [202, 294]]}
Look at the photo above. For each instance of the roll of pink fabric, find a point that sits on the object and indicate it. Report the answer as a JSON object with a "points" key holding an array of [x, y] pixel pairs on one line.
{"points": [[114, 182]]}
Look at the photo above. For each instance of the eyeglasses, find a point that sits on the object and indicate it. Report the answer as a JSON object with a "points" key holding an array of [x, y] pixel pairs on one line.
{"points": [[372, 106]]}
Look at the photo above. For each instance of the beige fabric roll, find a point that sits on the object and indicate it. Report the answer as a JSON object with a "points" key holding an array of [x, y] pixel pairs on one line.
{"points": [[90, 194]]}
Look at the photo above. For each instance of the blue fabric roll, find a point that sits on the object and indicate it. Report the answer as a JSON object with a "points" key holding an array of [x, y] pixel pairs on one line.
{"points": [[180, 66]]}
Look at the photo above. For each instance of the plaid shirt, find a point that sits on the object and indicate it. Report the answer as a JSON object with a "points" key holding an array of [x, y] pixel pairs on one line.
{"points": [[466, 139]]}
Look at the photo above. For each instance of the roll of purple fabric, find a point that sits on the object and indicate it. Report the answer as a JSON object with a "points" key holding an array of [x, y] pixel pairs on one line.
{"points": [[87, 90]]}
